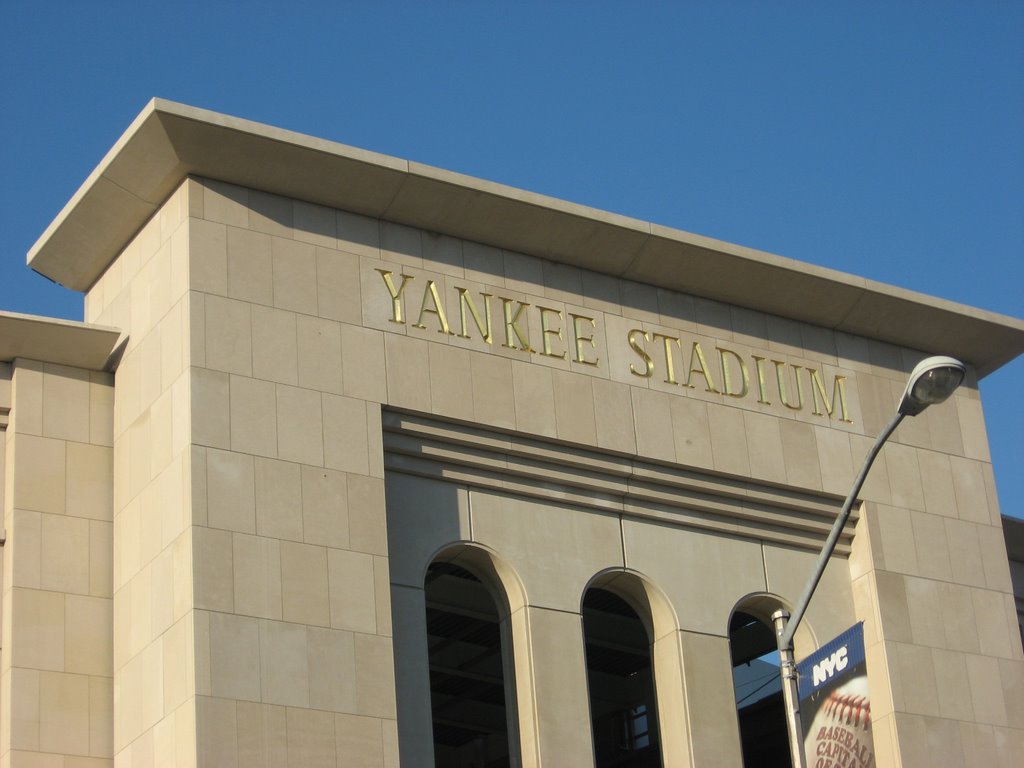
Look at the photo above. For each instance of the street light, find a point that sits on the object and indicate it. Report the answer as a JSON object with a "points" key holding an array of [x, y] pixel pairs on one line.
{"points": [[932, 381]]}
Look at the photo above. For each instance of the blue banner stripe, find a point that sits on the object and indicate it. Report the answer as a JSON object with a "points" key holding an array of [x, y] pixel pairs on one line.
{"points": [[851, 642]]}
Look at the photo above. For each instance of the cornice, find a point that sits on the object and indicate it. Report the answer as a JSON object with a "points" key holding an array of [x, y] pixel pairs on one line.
{"points": [[169, 141]]}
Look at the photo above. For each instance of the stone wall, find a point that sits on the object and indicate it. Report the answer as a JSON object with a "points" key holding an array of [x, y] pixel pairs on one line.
{"points": [[252, 605]]}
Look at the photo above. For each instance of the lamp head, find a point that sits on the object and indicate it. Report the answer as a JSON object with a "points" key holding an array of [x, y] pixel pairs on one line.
{"points": [[933, 380]]}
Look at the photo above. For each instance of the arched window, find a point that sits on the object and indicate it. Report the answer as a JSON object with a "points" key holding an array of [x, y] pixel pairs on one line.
{"points": [[469, 702], [758, 688], [623, 706]]}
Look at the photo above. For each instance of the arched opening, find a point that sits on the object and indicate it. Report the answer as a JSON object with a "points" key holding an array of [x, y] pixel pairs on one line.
{"points": [[469, 700], [623, 704], [758, 687]]}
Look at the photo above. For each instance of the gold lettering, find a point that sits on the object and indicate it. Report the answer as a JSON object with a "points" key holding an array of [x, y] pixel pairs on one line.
{"points": [[698, 364], [733, 367], [759, 364], [579, 338], [512, 325], [838, 388], [635, 346], [670, 368], [396, 295], [482, 325], [430, 292], [779, 365], [727, 379], [546, 332]]}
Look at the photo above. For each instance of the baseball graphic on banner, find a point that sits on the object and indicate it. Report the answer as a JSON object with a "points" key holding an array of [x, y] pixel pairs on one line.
{"points": [[835, 705], [840, 733]]}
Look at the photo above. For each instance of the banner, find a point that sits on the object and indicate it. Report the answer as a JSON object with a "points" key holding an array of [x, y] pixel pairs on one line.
{"points": [[835, 707]]}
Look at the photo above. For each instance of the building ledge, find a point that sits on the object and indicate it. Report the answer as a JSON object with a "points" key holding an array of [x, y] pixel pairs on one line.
{"points": [[63, 342]]}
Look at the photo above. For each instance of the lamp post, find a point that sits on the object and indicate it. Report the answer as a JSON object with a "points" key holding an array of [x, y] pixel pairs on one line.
{"points": [[932, 381]]}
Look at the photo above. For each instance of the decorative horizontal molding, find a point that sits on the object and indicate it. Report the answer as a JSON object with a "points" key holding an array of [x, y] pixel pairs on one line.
{"points": [[561, 473]]}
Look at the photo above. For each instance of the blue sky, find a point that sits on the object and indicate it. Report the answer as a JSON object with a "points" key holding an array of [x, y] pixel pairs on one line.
{"points": [[878, 138]]}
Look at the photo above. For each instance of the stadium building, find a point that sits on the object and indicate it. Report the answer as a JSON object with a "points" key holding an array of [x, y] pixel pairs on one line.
{"points": [[359, 462]]}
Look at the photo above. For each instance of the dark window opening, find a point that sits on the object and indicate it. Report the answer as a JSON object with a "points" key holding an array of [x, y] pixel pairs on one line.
{"points": [[467, 686], [619, 675], [758, 687]]}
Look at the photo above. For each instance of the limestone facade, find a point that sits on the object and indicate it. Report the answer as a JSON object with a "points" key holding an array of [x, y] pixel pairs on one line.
{"points": [[217, 529]]}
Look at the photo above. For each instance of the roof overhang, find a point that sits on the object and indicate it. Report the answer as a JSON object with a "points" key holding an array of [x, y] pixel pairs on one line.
{"points": [[48, 340], [170, 141]]}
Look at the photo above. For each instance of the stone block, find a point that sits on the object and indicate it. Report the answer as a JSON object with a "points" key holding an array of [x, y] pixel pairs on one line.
{"points": [[304, 591]]}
